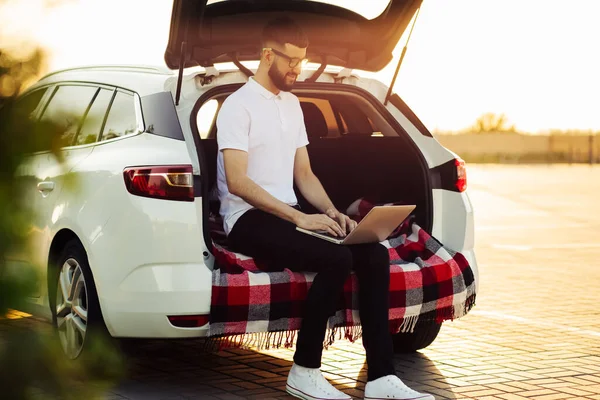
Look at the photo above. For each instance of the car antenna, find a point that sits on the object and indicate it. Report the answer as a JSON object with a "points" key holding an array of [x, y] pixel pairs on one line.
{"points": [[389, 93]]}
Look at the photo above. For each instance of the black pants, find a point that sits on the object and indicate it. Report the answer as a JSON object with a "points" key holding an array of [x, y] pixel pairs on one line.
{"points": [[276, 241]]}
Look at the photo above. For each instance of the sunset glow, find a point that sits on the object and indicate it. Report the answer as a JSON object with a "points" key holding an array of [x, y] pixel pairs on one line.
{"points": [[535, 60]]}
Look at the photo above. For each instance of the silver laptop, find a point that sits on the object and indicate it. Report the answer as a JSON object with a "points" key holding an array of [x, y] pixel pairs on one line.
{"points": [[375, 227]]}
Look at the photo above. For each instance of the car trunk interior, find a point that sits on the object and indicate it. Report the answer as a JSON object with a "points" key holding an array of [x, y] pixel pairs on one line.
{"points": [[356, 150]]}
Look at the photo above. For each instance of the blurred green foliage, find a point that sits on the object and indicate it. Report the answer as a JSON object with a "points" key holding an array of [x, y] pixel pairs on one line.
{"points": [[32, 364]]}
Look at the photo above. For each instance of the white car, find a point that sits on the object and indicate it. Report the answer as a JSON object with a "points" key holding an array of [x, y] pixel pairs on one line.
{"points": [[129, 246]]}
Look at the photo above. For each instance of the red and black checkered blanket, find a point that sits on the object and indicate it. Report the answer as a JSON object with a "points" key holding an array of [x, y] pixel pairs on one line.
{"points": [[251, 307]]}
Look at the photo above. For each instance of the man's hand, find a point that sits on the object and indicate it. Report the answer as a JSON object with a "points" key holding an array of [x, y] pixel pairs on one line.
{"points": [[345, 222], [320, 222]]}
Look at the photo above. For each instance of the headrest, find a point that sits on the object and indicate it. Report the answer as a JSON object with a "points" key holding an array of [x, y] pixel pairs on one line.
{"points": [[316, 125]]}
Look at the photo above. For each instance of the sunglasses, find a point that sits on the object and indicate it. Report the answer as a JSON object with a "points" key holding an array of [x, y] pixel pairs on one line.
{"points": [[293, 62]]}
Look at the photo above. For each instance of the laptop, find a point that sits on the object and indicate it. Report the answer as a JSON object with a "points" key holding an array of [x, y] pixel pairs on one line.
{"points": [[375, 227]]}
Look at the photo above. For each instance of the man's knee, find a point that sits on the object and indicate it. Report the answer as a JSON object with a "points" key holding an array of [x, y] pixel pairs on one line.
{"points": [[373, 262], [340, 260], [378, 256]]}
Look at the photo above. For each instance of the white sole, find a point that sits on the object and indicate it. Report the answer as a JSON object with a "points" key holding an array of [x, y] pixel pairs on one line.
{"points": [[301, 395]]}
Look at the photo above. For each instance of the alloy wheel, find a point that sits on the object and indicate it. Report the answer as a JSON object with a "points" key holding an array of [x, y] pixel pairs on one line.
{"points": [[71, 308]]}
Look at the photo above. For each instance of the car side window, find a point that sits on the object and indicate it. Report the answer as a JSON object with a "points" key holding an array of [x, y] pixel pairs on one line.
{"points": [[122, 118], [67, 108], [92, 125]]}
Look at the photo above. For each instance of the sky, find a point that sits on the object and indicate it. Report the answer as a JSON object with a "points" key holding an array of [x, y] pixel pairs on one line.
{"points": [[536, 61]]}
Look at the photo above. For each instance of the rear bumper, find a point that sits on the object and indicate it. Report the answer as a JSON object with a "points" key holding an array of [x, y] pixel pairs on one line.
{"points": [[453, 220], [454, 224], [149, 325], [470, 256], [140, 305], [149, 262]]}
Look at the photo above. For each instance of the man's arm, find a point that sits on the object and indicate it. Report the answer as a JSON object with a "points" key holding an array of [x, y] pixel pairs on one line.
{"points": [[239, 184], [311, 188]]}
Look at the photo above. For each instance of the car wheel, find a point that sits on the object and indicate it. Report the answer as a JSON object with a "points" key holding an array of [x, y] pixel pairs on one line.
{"points": [[424, 334], [76, 313]]}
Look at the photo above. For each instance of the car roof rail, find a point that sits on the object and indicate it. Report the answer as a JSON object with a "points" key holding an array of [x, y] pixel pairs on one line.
{"points": [[151, 69]]}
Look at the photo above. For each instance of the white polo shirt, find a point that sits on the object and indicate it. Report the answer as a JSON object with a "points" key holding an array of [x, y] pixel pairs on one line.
{"points": [[269, 128]]}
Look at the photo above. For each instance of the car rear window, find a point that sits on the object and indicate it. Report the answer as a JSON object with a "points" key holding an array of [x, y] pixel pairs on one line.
{"points": [[368, 9]]}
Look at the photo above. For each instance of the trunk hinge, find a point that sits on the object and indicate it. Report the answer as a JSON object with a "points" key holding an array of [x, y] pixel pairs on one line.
{"points": [[207, 77], [389, 93], [343, 74], [180, 77]]}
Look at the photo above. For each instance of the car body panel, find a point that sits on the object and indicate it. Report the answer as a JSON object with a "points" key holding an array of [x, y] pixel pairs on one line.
{"points": [[123, 233]]}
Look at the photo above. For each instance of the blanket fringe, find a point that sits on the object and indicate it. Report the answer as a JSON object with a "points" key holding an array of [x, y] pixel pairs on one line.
{"points": [[276, 339], [409, 323], [353, 333], [453, 312], [287, 339], [470, 303]]}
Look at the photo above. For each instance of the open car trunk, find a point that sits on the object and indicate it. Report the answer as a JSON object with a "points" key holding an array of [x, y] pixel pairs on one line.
{"points": [[207, 32], [356, 149]]}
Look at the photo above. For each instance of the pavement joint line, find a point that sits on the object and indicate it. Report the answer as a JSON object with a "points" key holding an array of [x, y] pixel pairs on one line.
{"points": [[533, 208], [527, 321]]}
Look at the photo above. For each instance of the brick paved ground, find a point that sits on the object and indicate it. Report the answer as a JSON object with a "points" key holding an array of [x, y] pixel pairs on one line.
{"points": [[535, 332]]}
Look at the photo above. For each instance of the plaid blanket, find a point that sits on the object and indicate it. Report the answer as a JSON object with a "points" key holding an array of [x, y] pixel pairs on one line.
{"points": [[251, 307]]}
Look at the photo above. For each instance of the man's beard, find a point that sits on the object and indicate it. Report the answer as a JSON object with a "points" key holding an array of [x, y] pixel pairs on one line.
{"points": [[279, 79]]}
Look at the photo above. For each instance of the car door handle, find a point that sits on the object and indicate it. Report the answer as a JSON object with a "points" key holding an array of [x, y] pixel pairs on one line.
{"points": [[45, 186]]}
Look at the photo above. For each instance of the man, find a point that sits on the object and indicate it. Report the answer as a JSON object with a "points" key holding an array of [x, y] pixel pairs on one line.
{"points": [[262, 151]]}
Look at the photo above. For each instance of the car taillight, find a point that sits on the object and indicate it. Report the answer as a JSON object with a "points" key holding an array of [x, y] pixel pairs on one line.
{"points": [[161, 182], [188, 321], [461, 175]]}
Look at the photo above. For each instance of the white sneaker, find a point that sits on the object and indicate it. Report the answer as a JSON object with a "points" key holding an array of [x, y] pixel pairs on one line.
{"points": [[391, 387], [310, 384]]}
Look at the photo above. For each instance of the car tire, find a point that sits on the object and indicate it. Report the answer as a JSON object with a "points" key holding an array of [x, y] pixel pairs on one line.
{"points": [[424, 334], [76, 315]]}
